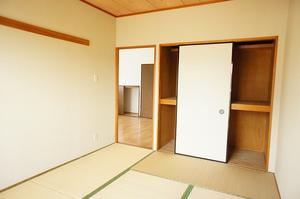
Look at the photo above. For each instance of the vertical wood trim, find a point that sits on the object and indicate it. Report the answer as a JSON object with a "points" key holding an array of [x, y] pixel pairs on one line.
{"points": [[272, 100], [42, 31], [158, 99], [153, 100], [116, 94]]}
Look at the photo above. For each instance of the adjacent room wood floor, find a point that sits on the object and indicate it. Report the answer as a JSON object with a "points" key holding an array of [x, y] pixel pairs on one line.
{"points": [[135, 131]]}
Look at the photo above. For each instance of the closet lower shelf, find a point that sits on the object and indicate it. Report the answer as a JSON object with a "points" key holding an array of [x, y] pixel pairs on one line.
{"points": [[251, 106], [246, 158]]}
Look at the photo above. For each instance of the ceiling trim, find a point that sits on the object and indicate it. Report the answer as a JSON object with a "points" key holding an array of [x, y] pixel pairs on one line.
{"points": [[101, 9], [156, 10]]}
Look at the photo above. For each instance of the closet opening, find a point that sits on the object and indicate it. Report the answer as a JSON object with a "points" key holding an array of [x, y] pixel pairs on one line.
{"points": [[167, 97], [251, 97]]}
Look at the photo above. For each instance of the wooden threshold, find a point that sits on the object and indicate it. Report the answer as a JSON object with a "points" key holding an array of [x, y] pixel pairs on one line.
{"points": [[168, 101], [251, 106], [42, 31]]}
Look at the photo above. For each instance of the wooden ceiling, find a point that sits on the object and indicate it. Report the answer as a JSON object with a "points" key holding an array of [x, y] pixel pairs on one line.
{"points": [[121, 8]]}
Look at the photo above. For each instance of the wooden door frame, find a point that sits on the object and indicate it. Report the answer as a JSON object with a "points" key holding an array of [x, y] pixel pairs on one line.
{"points": [[250, 39], [117, 50]]}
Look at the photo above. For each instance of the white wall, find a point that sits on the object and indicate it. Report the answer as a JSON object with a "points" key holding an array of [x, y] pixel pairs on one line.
{"points": [[288, 158], [226, 20], [130, 61], [51, 109]]}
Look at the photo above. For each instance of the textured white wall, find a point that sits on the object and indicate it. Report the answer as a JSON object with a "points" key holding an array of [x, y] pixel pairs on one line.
{"points": [[288, 158], [51, 109]]}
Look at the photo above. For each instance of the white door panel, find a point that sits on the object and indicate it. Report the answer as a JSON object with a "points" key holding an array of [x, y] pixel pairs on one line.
{"points": [[203, 102]]}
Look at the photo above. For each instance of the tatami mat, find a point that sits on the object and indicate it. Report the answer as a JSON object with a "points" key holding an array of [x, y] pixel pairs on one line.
{"points": [[31, 190], [160, 175], [212, 175], [135, 185], [79, 178], [85, 175], [201, 193]]}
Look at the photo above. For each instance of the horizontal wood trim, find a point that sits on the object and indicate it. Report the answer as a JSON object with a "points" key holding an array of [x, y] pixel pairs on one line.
{"points": [[172, 8], [168, 101], [141, 46], [268, 38], [94, 6], [251, 106], [42, 31]]}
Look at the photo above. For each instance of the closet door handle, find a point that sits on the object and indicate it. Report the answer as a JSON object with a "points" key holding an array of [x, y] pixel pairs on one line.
{"points": [[221, 111]]}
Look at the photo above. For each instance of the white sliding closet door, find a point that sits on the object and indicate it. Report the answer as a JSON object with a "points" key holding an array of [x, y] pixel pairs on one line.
{"points": [[203, 105]]}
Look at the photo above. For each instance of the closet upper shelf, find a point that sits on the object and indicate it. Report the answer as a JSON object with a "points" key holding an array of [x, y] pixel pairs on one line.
{"points": [[168, 101], [251, 106], [249, 46]]}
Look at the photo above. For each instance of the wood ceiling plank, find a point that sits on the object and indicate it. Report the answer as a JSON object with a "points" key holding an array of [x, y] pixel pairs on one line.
{"points": [[136, 5], [160, 4], [110, 6], [121, 8]]}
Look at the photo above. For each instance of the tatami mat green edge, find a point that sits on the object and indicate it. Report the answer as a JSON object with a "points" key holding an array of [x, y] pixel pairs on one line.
{"points": [[187, 192], [114, 178]]}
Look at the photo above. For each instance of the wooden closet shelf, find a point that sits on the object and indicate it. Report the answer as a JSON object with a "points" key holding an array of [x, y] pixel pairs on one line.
{"points": [[168, 101], [249, 46], [174, 49], [251, 106]]}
